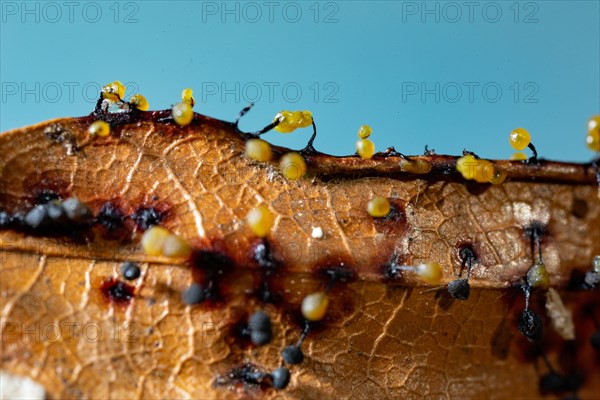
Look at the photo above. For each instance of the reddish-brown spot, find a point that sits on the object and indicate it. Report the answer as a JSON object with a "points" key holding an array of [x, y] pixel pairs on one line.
{"points": [[209, 267], [239, 334], [42, 189], [387, 271], [111, 218], [342, 302], [119, 218], [117, 291], [463, 251], [246, 376], [579, 208], [268, 268], [145, 217], [395, 222]]}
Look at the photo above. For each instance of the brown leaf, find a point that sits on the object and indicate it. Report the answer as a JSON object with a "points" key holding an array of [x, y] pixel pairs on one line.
{"points": [[68, 323]]}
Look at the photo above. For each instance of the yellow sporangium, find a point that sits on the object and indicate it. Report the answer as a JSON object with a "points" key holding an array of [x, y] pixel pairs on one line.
{"points": [[594, 123], [292, 166], [466, 165], [139, 102], [519, 138], [364, 131], [289, 121], [537, 276], [159, 241], [415, 166], [378, 207], [259, 150], [484, 171], [305, 119], [593, 136], [99, 128], [365, 149], [187, 96], [114, 91], [182, 114], [154, 239], [260, 220], [430, 272], [314, 306], [499, 177]]}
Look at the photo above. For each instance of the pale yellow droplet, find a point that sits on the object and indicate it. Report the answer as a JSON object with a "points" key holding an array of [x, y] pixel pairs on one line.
{"points": [[182, 114], [466, 166], [378, 207], [259, 150], [364, 131], [260, 220], [99, 128], [314, 306], [139, 101], [415, 166], [537, 276], [430, 272], [293, 166], [153, 240], [365, 148]]}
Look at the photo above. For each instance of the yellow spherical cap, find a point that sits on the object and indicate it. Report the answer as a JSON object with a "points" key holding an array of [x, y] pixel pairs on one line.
{"points": [[430, 272], [260, 220], [415, 166], [314, 306], [286, 124], [182, 114], [378, 207], [113, 91], [519, 138], [365, 148], [499, 177], [484, 171], [296, 118], [292, 166], [593, 140], [364, 131], [139, 102], [99, 128], [537, 276], [154, 239], [466, 165], [594, 123], [158, 241], [187, 96], [259, 150], [306, 120]]}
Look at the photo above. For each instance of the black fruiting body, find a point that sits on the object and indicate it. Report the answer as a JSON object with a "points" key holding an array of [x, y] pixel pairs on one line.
{"points": [[194, 294], [280, 377], [530, 325], [259, 327], [130, 270]]}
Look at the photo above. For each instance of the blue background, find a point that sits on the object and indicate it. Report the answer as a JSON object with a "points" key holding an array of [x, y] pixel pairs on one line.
{"points": [[403, 67]]}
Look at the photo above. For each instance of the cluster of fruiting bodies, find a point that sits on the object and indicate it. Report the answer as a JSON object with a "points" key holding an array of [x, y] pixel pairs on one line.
{"points": [[158, 241]]}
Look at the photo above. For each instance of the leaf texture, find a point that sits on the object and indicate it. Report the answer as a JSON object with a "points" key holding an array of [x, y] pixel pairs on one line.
{"points": [[382, 337]]}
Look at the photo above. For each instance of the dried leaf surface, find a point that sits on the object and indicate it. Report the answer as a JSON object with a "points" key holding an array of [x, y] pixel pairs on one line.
{"points": [[381, 337]]}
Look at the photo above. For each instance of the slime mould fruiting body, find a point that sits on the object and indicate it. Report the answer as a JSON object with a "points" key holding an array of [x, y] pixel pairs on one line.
{"points": [[174, 256]]}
